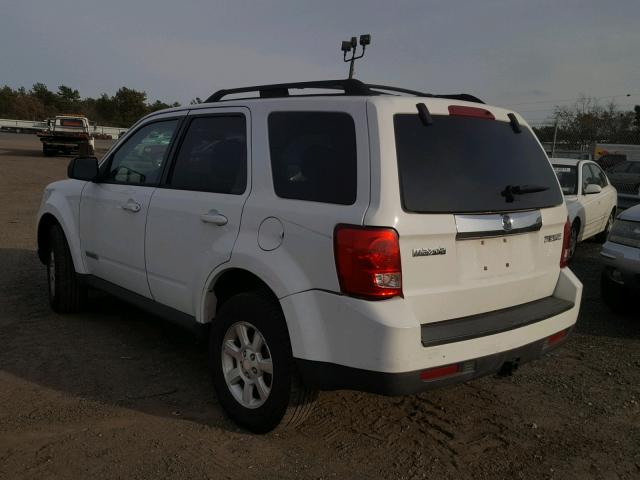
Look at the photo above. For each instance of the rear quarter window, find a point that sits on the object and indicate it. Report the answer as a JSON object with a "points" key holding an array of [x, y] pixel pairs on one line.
{"points": [[313, 156]]}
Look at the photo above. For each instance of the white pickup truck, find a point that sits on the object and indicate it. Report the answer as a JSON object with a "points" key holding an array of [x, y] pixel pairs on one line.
{"points": [[67, 134]]}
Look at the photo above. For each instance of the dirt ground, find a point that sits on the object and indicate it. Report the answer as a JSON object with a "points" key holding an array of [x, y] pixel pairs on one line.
{"points": [[117, 393]]}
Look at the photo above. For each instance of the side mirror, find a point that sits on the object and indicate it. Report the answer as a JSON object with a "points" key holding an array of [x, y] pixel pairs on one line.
{"points": [[592, 188], [83, 168]]}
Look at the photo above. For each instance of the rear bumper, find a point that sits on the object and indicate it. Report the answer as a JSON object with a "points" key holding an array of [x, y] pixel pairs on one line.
{"points": [[352, 340], [328, 376]]}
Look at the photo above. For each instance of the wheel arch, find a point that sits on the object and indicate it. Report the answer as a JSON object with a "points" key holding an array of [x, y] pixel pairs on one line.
{"points": [[227, 283], [578, 221], [45, 223], [49, 217]]}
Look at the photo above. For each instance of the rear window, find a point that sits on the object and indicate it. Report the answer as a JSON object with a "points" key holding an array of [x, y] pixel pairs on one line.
{"points": [[71, 122], [464, 165], [568, 178], [313, 156]]}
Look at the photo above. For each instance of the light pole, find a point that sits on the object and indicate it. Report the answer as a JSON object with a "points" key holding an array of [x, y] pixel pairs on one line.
{"points": [[352, 44]]}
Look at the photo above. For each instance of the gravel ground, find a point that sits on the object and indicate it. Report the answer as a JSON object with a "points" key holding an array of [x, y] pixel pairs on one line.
{"points": [[117, 393]]}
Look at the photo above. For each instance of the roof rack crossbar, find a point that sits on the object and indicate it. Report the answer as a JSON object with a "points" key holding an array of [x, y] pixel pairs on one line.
{"points": [[348, 86]]}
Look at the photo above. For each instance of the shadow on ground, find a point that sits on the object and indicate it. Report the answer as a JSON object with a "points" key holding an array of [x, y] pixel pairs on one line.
{"points": [[113, 353]]}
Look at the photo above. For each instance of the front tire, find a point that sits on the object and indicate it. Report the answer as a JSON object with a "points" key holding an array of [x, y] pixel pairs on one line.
{"points": [[252, 365], [573, 242], [47, 151], [602, 236], [67, 294]]}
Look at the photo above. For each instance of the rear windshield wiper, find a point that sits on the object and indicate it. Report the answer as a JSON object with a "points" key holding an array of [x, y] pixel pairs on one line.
{"points": [[511, 190]]}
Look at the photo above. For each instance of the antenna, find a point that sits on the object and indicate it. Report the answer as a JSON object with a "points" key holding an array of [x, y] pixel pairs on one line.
{"points": [[349, 45]]}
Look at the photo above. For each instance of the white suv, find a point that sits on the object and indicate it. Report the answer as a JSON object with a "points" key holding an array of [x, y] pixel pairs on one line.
{"points": [[376, 239]]}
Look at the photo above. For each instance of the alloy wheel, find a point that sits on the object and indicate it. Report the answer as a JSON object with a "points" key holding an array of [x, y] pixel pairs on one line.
{"points": [[247, 365]]}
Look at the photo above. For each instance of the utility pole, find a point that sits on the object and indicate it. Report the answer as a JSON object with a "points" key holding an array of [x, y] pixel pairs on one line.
{"points": [[555, 135], [352, 44]]}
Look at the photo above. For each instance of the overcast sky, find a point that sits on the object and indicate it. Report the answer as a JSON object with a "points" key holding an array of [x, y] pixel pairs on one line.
{"points": [[522, 54]]}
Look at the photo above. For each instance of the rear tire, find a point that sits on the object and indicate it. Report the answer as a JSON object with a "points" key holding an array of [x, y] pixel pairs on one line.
{"points": [[67, 294], [258, 401]]}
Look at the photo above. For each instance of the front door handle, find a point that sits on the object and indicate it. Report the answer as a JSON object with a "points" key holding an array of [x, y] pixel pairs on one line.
{"points": [[132, 206], [214, 217]]}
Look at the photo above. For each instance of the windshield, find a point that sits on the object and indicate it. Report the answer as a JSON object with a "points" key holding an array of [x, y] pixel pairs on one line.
{"points": [[568, 178], [465, 165]]}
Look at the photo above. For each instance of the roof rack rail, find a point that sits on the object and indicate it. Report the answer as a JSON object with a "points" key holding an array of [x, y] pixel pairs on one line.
{"points": [[399, 90], [348, 86], [460, 96], [454, 96]]}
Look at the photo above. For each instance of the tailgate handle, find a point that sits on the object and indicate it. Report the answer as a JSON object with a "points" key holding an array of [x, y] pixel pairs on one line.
{"points": [[497, 224]]}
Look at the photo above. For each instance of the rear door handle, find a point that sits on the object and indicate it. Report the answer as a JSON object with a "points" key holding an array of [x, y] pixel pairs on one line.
{"points": [[132, 206], [214, 217]]}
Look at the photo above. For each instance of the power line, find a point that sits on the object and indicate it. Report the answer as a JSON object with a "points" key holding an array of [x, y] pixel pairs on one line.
{"points": [[550, 109], [572, 99]]}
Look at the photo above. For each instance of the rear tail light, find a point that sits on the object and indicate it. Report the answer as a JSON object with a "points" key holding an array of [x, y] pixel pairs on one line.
{"points": [[439, 372], [566, 244], [555, 338], [448, 370], [368, 261]]}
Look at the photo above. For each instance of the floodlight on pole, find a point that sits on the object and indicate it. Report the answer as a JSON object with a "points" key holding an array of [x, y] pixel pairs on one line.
{"points": [[352, 45]]}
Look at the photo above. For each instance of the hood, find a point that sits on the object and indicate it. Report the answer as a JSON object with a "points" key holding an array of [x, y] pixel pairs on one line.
{"points": [[632, 214]]}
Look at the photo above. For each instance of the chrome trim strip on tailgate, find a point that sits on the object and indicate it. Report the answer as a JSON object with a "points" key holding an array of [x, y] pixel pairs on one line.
{"points": [[491, 323], [497, 224]]}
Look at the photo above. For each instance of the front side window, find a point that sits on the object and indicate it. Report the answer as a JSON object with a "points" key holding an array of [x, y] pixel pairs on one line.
{"points": [[213, 156], [598, 175], [621, 167], [139, 160], [313, 156], [634, 167], [587, 177]]}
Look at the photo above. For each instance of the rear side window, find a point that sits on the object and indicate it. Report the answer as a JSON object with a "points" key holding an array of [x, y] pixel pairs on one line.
{"points": [[212, 156], [621, 167], [465, 165], [313, 156]]}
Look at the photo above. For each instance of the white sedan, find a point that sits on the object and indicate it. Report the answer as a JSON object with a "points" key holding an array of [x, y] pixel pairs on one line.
{"points": [[591, 199]]}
